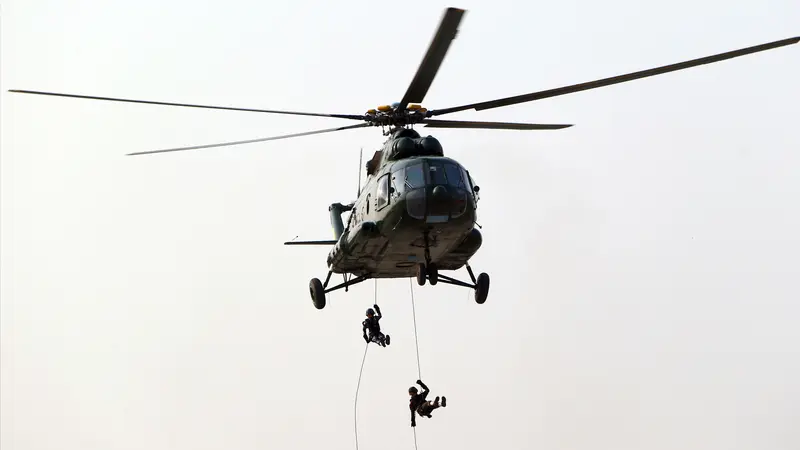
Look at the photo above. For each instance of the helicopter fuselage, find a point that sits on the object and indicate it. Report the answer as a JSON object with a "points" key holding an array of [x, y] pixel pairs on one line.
{"points": [[413, 209]]}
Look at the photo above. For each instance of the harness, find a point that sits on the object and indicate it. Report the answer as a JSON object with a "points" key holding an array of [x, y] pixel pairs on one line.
{"points": [[372, 325], [418, 403]]}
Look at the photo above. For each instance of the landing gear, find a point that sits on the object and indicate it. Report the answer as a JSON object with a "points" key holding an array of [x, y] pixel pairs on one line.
{"points": [[318, 290], [481, 288], [428, 270], [431, 272], [317, 293], [422, 274]]}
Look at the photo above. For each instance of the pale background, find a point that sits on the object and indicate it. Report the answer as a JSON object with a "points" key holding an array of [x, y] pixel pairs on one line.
{"points": [[644, 263]]}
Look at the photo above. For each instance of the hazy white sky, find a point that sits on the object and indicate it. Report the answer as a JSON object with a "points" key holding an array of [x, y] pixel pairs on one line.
{"points": [[644, 262]]}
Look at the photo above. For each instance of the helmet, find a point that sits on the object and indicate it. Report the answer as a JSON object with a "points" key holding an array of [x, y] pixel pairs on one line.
{"points": [[370, 312], [412, 390]]}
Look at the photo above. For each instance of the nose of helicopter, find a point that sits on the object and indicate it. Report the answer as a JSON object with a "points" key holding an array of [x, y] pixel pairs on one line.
{"points": [[445, 203], [440, 193]]}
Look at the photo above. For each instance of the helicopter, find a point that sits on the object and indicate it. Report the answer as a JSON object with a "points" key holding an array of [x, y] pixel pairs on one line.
{"points": [[416, 213]]}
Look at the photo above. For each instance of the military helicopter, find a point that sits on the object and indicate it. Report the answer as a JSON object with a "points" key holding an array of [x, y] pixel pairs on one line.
{"points": [[416, 214]]}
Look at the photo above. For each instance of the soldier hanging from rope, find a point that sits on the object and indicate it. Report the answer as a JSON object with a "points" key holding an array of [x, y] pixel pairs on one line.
{"points": [[420, 404], [371, 324]]}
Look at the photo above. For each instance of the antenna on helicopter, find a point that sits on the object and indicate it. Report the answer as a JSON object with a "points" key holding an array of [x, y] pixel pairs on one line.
{"points": [[360, 161]]}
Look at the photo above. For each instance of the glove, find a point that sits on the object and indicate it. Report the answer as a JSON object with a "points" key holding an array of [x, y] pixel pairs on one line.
{"points": [[366, 339], [375, 306], [419, 382], [413, 424]]}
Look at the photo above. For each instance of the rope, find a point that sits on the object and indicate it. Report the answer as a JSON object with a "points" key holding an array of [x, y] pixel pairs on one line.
{"points": [[416, 339], [360, 372], [364, 358], [355, 403]]}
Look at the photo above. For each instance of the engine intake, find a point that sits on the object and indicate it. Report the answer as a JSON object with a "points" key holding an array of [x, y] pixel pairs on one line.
{"points": [[336, 211]]}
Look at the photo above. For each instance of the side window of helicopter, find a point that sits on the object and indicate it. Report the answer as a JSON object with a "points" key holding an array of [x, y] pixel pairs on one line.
{"points": [[382, 196], [473, 187], [415, 177]]}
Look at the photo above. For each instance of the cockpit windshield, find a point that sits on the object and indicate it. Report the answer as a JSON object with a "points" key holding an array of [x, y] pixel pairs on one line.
{"points": [[436, 174], [415, 177], [415, 180], [442, 172], [430, 173]]}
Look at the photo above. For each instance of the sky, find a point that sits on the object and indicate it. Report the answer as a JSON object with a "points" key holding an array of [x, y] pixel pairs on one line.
{"points": [[643, 263]]}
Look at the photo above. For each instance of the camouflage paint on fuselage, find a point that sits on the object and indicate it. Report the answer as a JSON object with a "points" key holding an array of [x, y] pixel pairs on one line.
{"points": [[410, 192]]}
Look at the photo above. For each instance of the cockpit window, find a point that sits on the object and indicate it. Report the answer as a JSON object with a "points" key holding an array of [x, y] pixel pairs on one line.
{"points": [[454, 176], [415, 177], [382, 196], [472, 187], [436, 173], [398, 182]]}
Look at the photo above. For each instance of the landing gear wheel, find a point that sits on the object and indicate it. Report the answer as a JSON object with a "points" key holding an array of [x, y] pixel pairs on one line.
{"points": [[422, 274], [317, 293], [481, 288], [433, 274]]}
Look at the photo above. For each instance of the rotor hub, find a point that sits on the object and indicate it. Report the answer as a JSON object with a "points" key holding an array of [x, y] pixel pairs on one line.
{"points": [[393, 116]]}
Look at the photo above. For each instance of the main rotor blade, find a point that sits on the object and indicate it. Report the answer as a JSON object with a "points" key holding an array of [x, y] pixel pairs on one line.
{"points": [[310, 242], [491, 125], [614, 80], [361, 125], [339, 116], [430, 64]]}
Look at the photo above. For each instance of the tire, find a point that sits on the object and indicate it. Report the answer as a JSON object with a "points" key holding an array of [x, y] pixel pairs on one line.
{"points": [[481, 288], [317, 293], [433, 274], [422, 274]]}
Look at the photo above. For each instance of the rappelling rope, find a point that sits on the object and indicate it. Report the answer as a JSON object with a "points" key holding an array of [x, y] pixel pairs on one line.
{"points": [[355, 403], [364, 358], [360, 372], [416, 341]]}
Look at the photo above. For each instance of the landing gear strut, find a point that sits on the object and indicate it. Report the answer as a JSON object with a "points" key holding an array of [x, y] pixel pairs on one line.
{"points": [[431, 273], [428, 271], [318, 290]]}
